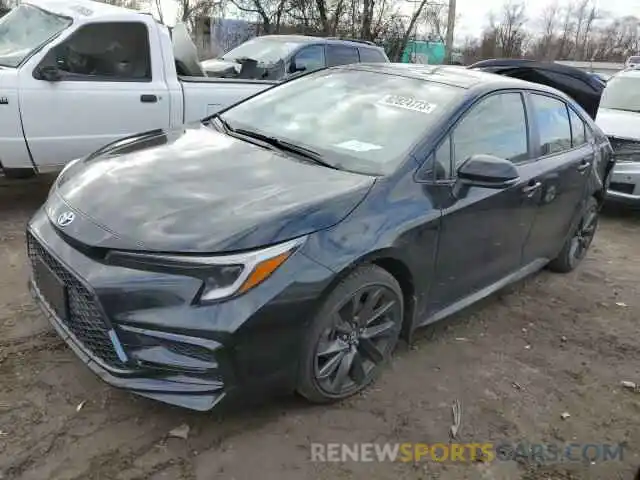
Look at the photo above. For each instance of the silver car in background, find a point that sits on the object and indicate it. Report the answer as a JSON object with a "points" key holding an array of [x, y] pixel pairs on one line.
{"points": [[619, 117]]}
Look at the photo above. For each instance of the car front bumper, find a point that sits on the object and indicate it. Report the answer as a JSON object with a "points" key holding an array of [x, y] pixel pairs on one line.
{"points": [[624, 187], [140, 331]]}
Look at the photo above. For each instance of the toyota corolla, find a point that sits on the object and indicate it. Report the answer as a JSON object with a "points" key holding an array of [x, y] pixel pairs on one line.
{"points": [[287, 243]]}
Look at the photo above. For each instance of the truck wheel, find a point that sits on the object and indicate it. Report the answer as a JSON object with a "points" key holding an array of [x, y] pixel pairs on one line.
{"points": [[18, 173]]}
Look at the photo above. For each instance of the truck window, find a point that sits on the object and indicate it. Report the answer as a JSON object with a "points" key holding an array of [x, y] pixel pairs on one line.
{"points": [[341, 55], [104, 52], [370, 55], [310, 58]]}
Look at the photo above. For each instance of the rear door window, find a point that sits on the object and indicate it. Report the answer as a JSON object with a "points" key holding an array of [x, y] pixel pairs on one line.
{"points": [[341, 55], [552, 117]]}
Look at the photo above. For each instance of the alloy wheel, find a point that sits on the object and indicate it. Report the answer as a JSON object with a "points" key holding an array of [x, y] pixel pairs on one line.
{"points": [[360, 337], [584, 235]]}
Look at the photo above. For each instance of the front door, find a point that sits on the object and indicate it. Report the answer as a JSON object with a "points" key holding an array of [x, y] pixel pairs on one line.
{"points": [[566, 158], [483, 232], [108, 88]]}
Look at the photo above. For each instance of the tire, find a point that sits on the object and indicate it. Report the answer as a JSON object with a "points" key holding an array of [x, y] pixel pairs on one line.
{"points": [[344, 353], [578, 243], [19, 173]]}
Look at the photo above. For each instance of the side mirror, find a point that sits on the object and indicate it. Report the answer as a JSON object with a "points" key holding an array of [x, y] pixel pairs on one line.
{"points": [[487, 171], [295, 68], [49, 73]]}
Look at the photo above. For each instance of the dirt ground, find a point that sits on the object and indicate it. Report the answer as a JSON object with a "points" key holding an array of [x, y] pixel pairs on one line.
{"points": [[516, 362]]}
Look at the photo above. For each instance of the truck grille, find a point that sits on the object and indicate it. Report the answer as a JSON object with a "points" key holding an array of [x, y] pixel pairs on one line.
{"points": [[84, 319]]}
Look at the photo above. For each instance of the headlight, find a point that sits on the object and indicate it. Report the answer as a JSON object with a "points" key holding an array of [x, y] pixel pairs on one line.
{"points": [[223, 276]]}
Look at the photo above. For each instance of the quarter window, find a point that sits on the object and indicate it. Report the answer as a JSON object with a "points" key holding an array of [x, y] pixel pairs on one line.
{"points": [[371, 55], [553, 123], [104, 51], [496, 126]]}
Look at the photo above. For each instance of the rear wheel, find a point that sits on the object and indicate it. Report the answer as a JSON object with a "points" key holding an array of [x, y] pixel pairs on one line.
{"points": [[352, 337], [577, 246]]}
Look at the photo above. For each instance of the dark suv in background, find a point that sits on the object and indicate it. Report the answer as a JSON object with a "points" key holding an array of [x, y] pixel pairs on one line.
{"points": [[277, 57]]}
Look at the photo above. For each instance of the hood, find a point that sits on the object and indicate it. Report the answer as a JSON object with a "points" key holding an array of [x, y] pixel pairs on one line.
{"points": [[619, 123], [195, 190], [185, 52]]}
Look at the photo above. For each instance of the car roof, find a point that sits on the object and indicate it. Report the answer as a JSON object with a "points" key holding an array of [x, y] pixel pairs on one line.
{"points": [[456, 76], [310, 39]]}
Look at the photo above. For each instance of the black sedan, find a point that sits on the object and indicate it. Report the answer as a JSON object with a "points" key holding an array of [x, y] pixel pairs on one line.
{"points": [[288, 242]]}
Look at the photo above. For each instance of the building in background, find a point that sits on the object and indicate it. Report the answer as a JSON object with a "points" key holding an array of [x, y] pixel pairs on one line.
{"points": [[422, 51]]}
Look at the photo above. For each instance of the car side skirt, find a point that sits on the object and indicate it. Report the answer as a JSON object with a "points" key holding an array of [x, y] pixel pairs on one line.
{"points": [[485, 292]]}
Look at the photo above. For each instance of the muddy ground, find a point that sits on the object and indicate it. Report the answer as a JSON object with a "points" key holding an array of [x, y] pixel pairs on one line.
{"points": [[517, 362]]}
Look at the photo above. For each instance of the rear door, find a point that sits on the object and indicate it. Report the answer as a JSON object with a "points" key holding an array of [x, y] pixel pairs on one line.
{"points": [[108, 87], [483, 233], [566, 153]]}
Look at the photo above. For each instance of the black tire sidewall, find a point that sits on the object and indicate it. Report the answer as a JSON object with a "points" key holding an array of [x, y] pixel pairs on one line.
{"points": [[362, 277]]}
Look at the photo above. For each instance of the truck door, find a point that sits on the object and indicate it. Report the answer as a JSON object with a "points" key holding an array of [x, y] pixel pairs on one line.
{"points": [[95, 86]]}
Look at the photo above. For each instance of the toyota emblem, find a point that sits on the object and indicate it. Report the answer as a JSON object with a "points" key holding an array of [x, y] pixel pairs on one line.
{"points": [[66, 218]]}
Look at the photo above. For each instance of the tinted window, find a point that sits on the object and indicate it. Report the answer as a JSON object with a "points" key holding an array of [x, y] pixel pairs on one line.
{"points": [[553, 124], [496, 126], [370, 55], [115, 51], [341, 55], [578, 129], [357, 120], [310, 58]]}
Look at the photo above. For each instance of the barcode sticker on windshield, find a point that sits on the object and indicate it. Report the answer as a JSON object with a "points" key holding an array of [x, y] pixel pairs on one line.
{"points": [[408, 103]]}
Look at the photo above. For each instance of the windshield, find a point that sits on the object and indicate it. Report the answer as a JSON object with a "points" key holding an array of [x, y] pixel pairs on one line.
{"points": [[356, 120], [622, 93], [24, 29], [262, 50], [634, 60]]}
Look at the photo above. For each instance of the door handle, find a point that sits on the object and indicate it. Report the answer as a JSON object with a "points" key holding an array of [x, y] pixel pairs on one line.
{"points": [[148, 98], [584, 165], [531, 189]]}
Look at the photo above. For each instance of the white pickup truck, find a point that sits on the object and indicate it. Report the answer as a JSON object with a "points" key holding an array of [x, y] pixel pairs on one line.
{"points": [[76, 75]]}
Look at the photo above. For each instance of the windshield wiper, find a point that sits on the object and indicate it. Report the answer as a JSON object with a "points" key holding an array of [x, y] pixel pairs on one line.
{"points": [[624, 109], [223, 122], [284, 145]]}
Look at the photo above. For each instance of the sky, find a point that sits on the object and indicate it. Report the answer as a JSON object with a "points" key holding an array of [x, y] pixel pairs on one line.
{"points": [[473, 14]]}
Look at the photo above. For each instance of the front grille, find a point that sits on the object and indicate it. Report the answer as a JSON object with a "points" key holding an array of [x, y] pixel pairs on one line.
{"points": [[84, 319], [622, 187]]}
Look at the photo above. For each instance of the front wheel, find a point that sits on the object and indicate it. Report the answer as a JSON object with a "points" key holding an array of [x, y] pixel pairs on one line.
{"points": [[576, 246], [352, 337]]}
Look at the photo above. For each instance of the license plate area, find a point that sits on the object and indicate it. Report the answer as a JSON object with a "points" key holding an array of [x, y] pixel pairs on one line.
{"points": [[51, 288]]}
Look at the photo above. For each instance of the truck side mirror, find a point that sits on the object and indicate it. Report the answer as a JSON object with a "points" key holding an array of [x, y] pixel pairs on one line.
{"points": [[50, 73]]}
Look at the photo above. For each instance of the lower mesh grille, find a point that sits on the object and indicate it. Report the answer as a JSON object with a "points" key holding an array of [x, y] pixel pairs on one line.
{"points": [[84, 319]]}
